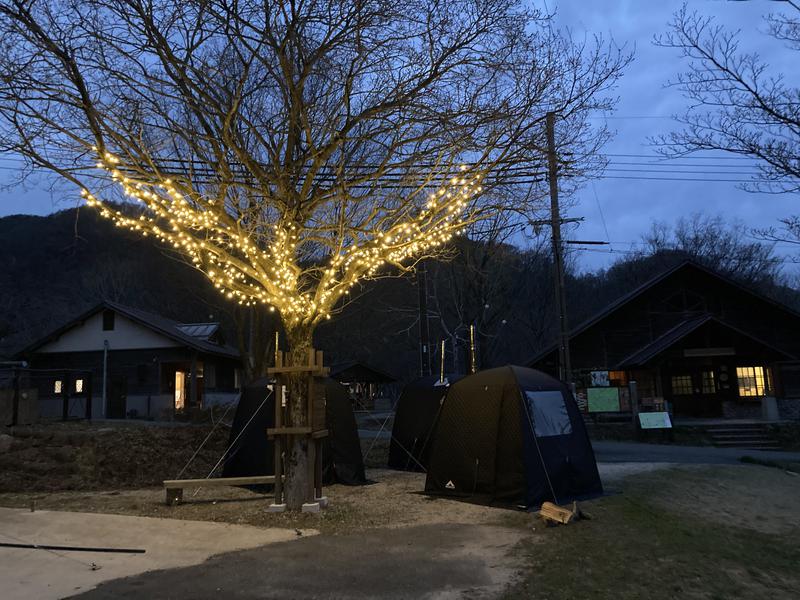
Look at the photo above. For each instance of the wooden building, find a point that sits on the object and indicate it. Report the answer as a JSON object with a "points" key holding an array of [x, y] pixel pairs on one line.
{"points": [[695, 342], [365, 384], [126, 363]]}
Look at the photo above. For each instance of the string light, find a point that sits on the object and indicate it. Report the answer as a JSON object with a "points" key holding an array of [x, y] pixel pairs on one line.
{"points": [[269, 273]]}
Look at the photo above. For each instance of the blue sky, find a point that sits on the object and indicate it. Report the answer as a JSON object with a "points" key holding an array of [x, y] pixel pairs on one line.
{"points": [[644, 109], [618, 210]]}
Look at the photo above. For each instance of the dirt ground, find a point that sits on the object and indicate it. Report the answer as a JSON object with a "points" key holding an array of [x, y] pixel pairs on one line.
{"points": [[394, 500], [661, 531]]}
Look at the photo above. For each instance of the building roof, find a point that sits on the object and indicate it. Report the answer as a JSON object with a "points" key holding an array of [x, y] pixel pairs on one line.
{"points": [[641, 289], [671, 337], [192, 335], [359, 372], [202, 331]]}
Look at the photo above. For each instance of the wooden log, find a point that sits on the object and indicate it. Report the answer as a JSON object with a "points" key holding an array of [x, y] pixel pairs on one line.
{"points": [[558, 514]]}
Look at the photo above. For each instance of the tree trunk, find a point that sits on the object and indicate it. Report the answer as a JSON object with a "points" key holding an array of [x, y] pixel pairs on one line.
{"points": [[297, 469]]}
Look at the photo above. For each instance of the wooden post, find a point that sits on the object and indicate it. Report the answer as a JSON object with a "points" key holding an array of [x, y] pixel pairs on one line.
{"points": [[88, 390], [15, 401], [424, 335], [634, 393], [313, 429], [318, 470], [193, 383], [277, 392], [65, 383]]}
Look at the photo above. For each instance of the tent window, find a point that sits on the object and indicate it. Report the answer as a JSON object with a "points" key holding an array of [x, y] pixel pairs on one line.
{"points": [[549, 413]]}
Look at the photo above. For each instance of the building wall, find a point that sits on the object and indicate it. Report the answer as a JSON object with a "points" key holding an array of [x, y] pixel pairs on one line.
{"points": [[220, 398], [126, 335], [789, 409], [149, 392]]}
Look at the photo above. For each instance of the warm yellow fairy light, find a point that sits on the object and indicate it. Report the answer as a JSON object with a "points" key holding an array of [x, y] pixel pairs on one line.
{"points": [[250, 274]]}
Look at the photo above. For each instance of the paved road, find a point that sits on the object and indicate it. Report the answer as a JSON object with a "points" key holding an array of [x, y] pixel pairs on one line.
{"points": [[427, 561], [614, 452], [32, 573]]}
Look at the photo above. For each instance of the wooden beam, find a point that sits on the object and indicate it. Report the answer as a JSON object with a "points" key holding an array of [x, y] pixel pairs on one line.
{"points": [[288, 431], [219, 481]]}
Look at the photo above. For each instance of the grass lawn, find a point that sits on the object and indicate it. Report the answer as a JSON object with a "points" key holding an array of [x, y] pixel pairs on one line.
{"points": [[690, 532]]}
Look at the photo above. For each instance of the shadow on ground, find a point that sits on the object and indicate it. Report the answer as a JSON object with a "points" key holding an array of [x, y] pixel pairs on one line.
{"points": [[429, 561]]}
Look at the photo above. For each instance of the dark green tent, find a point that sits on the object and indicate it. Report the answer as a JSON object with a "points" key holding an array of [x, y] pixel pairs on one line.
{"points": [[414, 420], [512, 435], [252, 453]]}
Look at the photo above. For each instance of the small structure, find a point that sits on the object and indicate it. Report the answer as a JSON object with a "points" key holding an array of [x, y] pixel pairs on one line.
{"points": [[252, 453], [118, 362], [414, 420], [694, 342], [512, 435], [365, 383]]}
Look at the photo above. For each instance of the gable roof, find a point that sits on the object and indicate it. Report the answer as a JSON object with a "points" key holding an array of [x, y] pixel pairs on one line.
{"points": [[361, 372], [672, 336], [179, 332], [647, 285]]}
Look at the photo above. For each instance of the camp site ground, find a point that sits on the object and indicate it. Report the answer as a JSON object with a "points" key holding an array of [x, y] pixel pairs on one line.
{"points": [[676, 521]]}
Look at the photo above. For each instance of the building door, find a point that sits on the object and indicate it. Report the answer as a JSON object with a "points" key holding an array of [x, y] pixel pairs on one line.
{"points": [[117, 397], [695, 392]]}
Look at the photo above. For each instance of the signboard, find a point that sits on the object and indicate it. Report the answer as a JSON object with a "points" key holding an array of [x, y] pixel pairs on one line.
{"points": [[603, 399], [655, 420], [599, 378]]}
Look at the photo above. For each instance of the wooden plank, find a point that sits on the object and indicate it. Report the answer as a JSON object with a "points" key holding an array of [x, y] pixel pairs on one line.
{"points": [[320, 434], [288, 431], [218, 481]]}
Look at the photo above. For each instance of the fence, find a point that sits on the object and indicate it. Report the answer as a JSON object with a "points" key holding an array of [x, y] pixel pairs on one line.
{"points": [[30, 395]]}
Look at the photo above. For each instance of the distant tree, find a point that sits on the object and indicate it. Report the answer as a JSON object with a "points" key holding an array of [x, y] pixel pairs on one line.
{"points": [[291, 149], [738, 103], [726, 247]]}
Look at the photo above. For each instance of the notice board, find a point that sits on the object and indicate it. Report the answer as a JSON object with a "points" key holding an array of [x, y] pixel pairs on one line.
{"points": [[603, 399], [655, 420]]}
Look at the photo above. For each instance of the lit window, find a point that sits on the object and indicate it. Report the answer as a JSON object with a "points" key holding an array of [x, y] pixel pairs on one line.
{"points": [[751, 381], [708, 383], [57, 387], [682, 385], [78, 385], [618, 378]]}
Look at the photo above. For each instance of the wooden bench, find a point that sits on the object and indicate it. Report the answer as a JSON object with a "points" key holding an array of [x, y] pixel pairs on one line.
{"points": [[174, 487]]}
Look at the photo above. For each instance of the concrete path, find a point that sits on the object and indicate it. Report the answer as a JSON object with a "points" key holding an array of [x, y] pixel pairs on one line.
{"points": [[43, 574], [441, 562], [614, 452]]}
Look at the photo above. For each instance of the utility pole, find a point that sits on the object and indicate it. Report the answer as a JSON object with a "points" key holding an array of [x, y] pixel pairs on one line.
{"points": [[424, 334], [564, 366]]}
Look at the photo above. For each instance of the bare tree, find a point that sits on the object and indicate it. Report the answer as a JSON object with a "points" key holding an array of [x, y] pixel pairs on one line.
{"points": [[726, 247], [738, 103], [290, 149]]}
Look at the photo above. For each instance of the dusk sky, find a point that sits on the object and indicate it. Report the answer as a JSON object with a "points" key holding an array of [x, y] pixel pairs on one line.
{"points": [[615, 209]]}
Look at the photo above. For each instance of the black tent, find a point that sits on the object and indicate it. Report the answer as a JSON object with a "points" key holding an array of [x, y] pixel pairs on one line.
{"points": [[252, 453], [414, 420], [512, 435]]}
